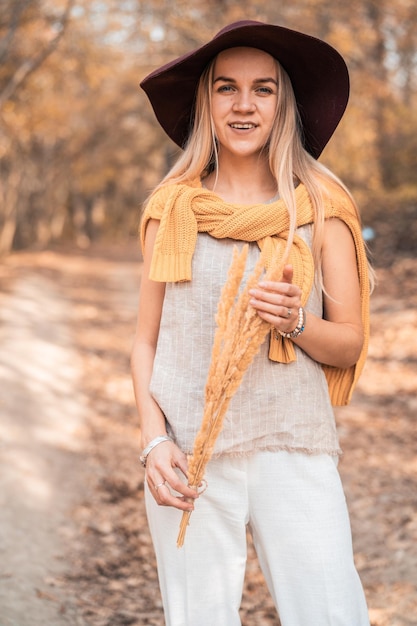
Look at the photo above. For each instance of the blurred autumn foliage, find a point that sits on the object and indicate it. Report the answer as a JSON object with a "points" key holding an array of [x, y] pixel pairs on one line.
{"points": [[79, 147]]}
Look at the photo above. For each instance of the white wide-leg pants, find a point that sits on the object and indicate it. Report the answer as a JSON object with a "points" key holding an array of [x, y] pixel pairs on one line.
{"points": [[295, 508]]}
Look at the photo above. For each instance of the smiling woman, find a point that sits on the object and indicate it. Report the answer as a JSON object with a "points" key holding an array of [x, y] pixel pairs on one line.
{"points": [[253, 109]]}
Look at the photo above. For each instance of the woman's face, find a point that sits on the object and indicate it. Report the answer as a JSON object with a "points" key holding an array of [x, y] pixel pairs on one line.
{"points": [[244, 100]]}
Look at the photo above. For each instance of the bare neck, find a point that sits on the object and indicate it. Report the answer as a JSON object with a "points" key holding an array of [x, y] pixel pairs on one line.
{"points": [[244, 182]]}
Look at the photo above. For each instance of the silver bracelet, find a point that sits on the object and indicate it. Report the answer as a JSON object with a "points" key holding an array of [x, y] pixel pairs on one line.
{"points": [[151, 446], [301, 324]]}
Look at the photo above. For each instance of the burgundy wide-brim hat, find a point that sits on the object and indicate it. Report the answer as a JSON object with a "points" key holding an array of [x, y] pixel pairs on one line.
{"points": [[318, 74]]}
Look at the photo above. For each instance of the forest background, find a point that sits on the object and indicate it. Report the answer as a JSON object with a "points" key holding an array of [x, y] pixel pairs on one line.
{"points": [[79, 146]]}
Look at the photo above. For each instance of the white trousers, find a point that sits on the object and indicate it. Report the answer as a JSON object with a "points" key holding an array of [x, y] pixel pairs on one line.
{"points": [[295, 508]]}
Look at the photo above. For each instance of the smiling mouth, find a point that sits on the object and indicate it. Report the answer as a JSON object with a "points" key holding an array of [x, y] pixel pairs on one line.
{"points": [[239, 126]]}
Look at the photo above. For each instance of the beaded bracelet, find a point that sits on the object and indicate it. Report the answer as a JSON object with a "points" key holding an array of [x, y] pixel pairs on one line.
{"points": [[299, 328]]}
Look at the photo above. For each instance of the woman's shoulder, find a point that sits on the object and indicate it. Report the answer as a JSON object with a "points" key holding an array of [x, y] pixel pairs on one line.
{"points": [[337, 198], [164, 191]]}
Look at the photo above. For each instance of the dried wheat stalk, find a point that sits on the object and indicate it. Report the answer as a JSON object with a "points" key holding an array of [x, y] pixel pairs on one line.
{"points": [[239, 335]]}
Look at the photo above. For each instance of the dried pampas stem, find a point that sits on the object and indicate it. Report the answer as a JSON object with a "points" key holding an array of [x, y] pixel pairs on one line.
{"points": [[239, 335]]}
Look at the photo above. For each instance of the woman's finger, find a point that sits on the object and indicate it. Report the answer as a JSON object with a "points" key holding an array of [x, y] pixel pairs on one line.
{"points": [[162, 491]]}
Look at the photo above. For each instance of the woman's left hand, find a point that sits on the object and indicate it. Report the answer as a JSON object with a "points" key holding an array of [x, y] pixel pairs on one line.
{"points": [[278, 302]]}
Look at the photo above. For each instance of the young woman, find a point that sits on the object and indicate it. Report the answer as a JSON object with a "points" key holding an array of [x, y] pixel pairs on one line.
{"points": [[252, 109]]}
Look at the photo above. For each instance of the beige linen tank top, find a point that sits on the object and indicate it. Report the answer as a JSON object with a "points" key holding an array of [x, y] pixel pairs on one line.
{"points": [[277, 407]]}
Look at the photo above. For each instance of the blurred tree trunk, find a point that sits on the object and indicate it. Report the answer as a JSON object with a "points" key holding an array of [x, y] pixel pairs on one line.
{"points": [[9, 201], [375, 14]]}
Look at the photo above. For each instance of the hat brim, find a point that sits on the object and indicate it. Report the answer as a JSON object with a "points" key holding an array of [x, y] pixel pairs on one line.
{"points": [[318, 74]]}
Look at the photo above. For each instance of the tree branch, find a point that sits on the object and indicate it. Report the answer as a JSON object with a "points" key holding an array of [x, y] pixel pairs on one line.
{"points": [[18, 8], [31, 65]]}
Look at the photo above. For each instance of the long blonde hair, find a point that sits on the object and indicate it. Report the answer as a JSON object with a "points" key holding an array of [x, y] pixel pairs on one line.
{"points": [[289, 161]]}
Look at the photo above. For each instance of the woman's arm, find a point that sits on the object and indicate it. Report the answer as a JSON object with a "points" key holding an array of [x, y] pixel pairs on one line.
{"points": [[336, 339], [166, 456]]}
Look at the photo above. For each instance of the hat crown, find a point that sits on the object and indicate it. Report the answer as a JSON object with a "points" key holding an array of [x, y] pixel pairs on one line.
{"points": [[238, 25]]}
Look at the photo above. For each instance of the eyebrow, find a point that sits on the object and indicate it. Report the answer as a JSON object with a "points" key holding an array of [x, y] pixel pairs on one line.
{"points": [[226, 79]]}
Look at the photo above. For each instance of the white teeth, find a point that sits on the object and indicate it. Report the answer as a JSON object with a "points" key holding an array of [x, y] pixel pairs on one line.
{"points": [[242, 126]]}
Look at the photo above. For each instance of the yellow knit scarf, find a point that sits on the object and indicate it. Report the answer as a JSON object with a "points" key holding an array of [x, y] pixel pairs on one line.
{"points": [[184, 210]]}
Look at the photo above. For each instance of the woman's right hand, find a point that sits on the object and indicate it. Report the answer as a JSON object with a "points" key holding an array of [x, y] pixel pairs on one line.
{"points": [[163, 480]]}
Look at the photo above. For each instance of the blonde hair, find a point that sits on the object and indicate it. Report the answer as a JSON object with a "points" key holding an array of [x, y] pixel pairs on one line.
{"points": [[289, 161]]}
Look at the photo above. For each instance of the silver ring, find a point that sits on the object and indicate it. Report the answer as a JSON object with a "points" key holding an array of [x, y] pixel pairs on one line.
{"points": [[289, 312], [163, 484]]}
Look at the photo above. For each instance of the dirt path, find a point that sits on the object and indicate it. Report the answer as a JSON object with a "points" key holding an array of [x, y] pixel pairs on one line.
{"points": [[74, 544], [42, 430]]}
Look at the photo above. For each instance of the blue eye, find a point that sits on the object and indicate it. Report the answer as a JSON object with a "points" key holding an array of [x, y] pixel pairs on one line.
{"points": [[224, 88]]}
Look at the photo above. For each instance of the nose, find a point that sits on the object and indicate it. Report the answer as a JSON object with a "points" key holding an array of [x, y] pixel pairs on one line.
{"points": [[244, 102]]}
